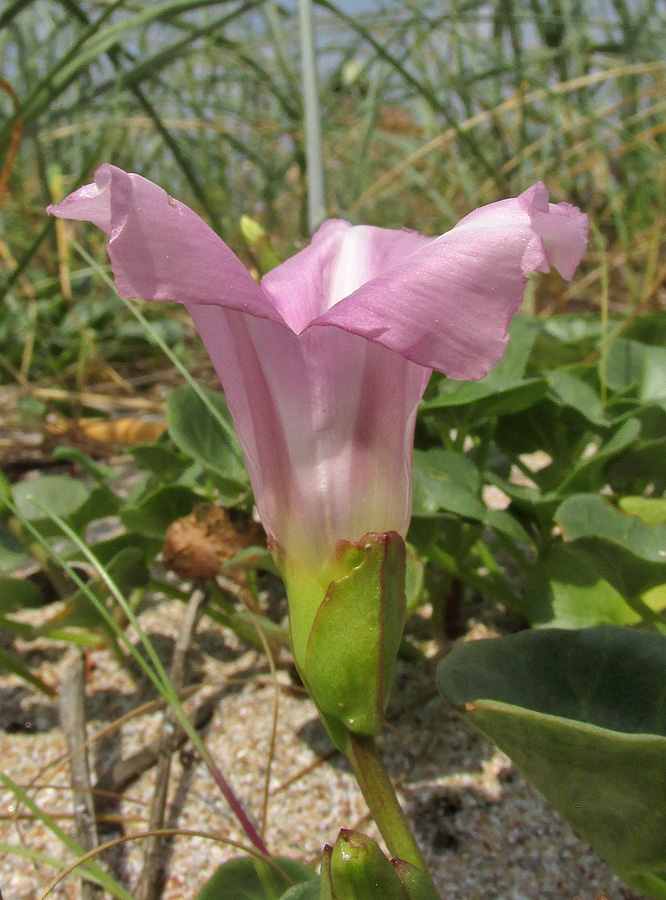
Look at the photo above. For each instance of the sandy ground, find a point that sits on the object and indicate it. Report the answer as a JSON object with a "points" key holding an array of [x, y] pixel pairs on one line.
{"points": [[486, 833]]}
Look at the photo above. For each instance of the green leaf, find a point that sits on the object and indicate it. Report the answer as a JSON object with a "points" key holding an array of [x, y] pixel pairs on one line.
{"points": [[582, 715], [446, 481], [163, 461], [488, 398], [590, 515], [566, 590], [200, 434], [306, 891], [153, 515], [502, 521], [106, 550], [414, 576], [591, 582], [589, 471], [10, 663], [247, 878], [18, 593], [566, 339], [99, 471], [568, 390], [641, 367], [651, 510], [57, 494], [100, 503], [127, 570], [642, 463]]}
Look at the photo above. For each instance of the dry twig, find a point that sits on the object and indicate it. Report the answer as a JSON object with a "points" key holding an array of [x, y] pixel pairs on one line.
{"points": [[73, 724]]}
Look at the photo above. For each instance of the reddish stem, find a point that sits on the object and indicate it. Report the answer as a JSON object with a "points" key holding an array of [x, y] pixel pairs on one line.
{"points": [[234, 803]]}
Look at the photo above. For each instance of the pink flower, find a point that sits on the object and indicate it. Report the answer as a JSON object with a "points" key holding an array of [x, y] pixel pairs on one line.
{"points": [[324, 363]]}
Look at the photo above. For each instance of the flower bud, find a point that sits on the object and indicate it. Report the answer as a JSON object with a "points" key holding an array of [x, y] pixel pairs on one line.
{"points": [[356, 869]]}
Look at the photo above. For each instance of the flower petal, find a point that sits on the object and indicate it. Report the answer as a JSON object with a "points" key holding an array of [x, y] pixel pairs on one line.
{"points": [[447, 305], [340, 258], [160, 249], [563, 228], [326, 421]]}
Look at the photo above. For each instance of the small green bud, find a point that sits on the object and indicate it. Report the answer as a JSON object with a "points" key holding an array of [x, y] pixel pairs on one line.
{"points": [[356, 869], [259, 244]]}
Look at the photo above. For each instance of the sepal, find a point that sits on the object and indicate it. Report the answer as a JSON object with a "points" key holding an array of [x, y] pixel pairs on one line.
{"points": [[353, 642]]}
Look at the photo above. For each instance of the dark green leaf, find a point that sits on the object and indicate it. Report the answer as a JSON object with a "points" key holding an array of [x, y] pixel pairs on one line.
{"points": [[568, 390], [590, 469], [18, 593], [106, 550], [564, 340], [101, 502], [642, 463], [12, 552], [637, 366], [307, 891], [249, 879], [502, 521], [488, 398], [582, 714], [449, 482], [128, 570], [153, 515]]}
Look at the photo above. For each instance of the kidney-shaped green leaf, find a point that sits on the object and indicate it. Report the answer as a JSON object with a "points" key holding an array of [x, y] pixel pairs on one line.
{"points": [[247, 878], [583, 716]]}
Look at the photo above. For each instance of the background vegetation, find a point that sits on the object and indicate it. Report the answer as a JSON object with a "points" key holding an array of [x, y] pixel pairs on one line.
{"points": [[429, 109]]}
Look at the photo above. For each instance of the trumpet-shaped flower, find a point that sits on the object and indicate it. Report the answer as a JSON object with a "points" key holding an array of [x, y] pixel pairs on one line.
{"points": [[325, 361]]}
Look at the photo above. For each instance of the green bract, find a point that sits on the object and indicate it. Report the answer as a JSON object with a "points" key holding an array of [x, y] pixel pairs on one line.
{"points": [[346, 625], [356, 869]]}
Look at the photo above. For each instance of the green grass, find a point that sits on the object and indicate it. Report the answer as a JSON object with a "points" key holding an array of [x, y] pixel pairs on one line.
{"points": [[426, 111]]}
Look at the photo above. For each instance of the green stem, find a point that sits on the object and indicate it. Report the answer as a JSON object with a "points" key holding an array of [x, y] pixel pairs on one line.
{"points": [[379, 793]]}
